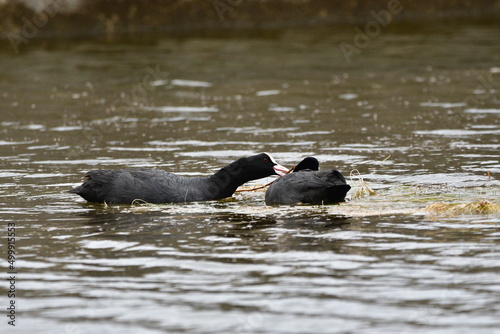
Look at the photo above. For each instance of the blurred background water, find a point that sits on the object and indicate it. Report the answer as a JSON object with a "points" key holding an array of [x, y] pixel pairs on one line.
{"points": [[415, 111]]}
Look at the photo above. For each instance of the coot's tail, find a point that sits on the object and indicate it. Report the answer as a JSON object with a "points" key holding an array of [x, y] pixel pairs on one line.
{"points": [[338, 187], [337, 193]]}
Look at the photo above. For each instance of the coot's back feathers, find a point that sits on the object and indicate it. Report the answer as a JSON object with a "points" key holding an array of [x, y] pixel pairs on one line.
{"points": [[123, 186], [120, 186], [308, 186]]}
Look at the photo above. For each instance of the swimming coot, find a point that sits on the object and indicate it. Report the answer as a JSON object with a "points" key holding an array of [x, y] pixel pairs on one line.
{"points": [[308, 185], [123, 186]]}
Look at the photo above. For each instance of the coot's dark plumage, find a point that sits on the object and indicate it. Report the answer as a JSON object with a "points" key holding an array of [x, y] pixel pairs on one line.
{"points": [[310, 163], [123, 186], [308, 185]]}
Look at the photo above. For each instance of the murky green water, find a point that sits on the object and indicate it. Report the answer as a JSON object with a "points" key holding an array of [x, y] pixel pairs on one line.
{"points": [[416, 112]]}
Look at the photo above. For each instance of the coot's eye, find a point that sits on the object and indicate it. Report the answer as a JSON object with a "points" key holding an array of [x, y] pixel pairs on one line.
{"points": [[265, 159]]}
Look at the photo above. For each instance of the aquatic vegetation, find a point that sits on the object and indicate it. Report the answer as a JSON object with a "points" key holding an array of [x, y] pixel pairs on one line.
{"points": [[473, 208], [363, 190]]}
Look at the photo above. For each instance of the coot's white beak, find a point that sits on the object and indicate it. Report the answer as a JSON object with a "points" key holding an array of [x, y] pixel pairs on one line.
{"points": [[280, 170]]}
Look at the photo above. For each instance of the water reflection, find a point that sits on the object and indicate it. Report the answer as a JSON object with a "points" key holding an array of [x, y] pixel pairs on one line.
{"points": [[270, 268]]}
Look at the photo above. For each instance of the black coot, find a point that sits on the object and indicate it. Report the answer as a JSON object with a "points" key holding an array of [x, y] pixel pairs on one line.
{"points": [[123, 186], [308, 185]]}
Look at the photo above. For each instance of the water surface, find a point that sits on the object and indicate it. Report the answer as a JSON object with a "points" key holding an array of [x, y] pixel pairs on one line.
{"points": [[415, 112]]}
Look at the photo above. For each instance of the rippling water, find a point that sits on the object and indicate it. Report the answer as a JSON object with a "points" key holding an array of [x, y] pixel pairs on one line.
{"points": [[416, 113]]}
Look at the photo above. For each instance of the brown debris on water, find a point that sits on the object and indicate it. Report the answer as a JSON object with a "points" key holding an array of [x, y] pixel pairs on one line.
{"points": [[363, 189], [473, 208]]}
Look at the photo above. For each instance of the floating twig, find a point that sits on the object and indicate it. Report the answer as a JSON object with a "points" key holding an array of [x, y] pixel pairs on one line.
{"points": [[265, 185], [388, 157]]}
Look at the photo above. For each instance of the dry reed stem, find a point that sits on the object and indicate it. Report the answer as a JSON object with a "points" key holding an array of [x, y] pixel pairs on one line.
{"points": [[140, 202], [265, 185], [363, 190]]}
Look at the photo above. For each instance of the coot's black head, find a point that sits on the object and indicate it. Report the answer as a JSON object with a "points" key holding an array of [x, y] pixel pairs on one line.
{"points": [[256, 167], [309, 163]]}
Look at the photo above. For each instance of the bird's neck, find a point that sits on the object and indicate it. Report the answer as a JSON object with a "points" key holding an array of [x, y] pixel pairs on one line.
{"points": [[225, 182]]}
